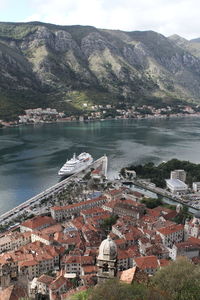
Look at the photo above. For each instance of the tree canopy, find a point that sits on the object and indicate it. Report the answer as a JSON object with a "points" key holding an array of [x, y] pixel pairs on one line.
{"points": [[159, 173], [177, 281], [180, 280]]}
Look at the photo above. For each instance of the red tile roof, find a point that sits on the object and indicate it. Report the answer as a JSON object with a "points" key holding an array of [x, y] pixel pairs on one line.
{"points": [[57, 283], [83, 260], [89, 269], [67, 207], [164, 262], [190, 244], [38, 221], [28, 263], [194, 240], [13, 292], [128, 275], [45, 279], [171, 229], [146, 262]]}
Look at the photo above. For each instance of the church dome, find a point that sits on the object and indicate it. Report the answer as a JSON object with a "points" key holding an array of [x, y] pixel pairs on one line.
{"points": [[108, 249]]}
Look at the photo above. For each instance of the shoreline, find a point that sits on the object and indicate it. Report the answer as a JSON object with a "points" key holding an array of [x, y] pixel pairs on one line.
{"points": [[149, 117]]}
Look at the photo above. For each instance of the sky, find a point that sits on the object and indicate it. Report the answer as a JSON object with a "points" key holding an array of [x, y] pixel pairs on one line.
{"points": [[164, 16]]}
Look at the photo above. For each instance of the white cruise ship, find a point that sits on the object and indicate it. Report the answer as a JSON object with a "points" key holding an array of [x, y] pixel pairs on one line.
{"points": [[76, 164]]}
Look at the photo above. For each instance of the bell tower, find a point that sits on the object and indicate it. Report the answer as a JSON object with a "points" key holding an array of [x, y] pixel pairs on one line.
{"points": [[107, 260]]}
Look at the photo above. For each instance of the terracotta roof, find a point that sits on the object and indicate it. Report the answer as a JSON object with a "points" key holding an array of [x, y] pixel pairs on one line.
{"points": [[120, 242], [38, 221], [149, 219], [57, 283], [171, 229], [115, 192], [188, 245], [128, 275], [94, 210], [170, 215], [122, 254], [67, 207], [45, 279], [164, 262], [52, 229], [89, 269], [146, 262], [28, 263], [13, 292], [43, 236], [83, 260], [162, 209], [194, 240]]}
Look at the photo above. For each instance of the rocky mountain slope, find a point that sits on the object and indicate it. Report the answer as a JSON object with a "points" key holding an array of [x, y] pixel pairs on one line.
{"points": [[67, 66]]}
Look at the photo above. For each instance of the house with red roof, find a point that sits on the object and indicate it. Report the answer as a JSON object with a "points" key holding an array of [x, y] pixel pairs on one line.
{"points": [[171, 234], [190, 249], [57, 287], [37, 223], [73, 264], [147, 264], [43, 283]]}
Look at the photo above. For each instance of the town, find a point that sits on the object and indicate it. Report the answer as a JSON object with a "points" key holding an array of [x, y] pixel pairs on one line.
{"points": [[102, 112], [91, 230]]}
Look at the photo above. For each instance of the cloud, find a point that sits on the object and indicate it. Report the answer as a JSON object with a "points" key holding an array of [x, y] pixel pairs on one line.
{"points": [[166, 17]]}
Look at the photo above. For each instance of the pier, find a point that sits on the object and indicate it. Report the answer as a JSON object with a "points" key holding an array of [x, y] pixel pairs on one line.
{"points": [[54, 190]]}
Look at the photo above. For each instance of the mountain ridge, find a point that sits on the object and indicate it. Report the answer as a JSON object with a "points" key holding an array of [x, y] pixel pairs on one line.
{"points": [[65, 66]]}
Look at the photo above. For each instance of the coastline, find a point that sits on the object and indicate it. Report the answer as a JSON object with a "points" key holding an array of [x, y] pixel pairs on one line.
{"points": [[145, 117]]}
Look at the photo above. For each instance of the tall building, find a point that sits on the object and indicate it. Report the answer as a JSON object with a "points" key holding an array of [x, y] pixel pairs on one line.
{"points": [[107, 260], [178, 174]]}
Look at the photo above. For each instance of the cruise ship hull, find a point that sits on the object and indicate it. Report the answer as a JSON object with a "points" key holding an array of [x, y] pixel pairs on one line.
{"points": [[76, 165], [68, 173]]}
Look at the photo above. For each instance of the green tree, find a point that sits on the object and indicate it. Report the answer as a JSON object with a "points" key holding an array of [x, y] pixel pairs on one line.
{"points": [[182, 216], [152, 202], [116, 290], [180, 280], [108, 222]]}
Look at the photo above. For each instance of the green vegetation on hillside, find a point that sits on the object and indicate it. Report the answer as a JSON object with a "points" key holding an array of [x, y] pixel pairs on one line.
{"points": [[159, 173], [180, 280], [67, 66], [177, 281]]}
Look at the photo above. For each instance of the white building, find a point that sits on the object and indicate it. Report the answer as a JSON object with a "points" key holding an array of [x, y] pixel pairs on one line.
{"points": [[196, 186], [176, 186], [187, 249], [171, 234], [178, 174]]}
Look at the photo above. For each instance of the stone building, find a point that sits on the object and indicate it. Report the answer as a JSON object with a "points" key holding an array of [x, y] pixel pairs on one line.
{"points": [[107, 260], [192, 227]]}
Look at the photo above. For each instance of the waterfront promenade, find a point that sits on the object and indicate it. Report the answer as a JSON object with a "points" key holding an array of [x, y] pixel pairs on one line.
{"points": [[161, 192], [54, 190]]}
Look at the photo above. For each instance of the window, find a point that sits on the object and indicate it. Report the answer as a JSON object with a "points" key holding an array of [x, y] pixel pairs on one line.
{"points": [[105, 267]]}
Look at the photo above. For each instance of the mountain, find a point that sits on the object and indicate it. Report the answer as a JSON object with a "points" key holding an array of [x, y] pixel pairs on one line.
{"points": [[67, 66], [192, 46]]}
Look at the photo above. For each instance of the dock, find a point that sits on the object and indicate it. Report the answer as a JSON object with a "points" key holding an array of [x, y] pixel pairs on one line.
{"points": [[54, 190]]}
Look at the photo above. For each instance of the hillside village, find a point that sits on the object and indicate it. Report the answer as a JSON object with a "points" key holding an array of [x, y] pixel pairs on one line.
{"points": [[75, 246], [102, 112]]}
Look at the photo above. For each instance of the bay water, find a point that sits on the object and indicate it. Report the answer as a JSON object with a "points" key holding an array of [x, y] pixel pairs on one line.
{"points": [[31, 155]]}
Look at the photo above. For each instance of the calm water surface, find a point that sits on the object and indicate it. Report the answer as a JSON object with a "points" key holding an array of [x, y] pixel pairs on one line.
{"points": [[30, 156]]}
